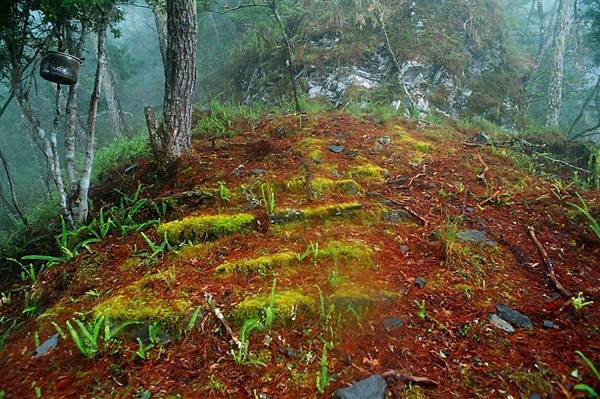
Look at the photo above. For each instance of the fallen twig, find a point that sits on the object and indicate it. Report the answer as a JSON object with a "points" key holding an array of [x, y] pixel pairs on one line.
{"points": [[490, 198], [548, 262], [406, 208], [405, 378], [211, 303], [481, 176]]}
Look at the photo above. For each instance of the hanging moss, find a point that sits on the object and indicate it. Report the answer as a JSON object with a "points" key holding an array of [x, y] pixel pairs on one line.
{"points": [[202, 228]]}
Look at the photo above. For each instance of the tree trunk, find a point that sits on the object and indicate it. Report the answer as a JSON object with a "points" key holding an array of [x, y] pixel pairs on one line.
{"points": [[84, 182], [11, 186], [113, 102], [172, 138], [563, 24], [160, 20], [71, 112], [289, 55]]}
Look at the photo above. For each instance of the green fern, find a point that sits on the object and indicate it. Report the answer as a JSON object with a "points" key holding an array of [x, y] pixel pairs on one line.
{"points": [[87, 338], [584, 210]]}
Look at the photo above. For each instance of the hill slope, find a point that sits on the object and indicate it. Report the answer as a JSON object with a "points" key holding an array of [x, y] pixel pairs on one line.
{"points": [[386, 248]]}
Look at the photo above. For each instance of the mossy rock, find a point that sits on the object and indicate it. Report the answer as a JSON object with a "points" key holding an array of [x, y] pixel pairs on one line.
{"points": [[322, 186], [202, 228], [258, 265], [348, 251], [287, 304], [357, 296], [138, 302], [322, 212], [369, 173], [330, 211]]}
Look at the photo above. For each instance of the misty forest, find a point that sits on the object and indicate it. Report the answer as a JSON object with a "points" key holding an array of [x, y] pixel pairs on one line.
{"points": [[352, 199]]}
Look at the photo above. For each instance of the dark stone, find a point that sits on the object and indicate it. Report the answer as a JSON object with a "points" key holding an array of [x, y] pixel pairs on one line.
{"points": [[514, 317], [397, 216], [549, 324], [258, 171], [290, 352], [534, 395], [46, 346], [475, 237], [404, 248], [336, 148], [501, 323], [421, 282], [392, 323], [370, 388], [384, 140]]}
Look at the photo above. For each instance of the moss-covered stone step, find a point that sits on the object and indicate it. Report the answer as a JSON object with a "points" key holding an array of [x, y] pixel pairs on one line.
{"points": [[318, 212], [205, 227], [349, 251], [287, 304], [139, 302], [321, 186]]}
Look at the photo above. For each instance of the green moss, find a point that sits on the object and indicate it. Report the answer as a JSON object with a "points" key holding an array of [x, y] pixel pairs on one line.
{"points": [[258, 265], [322, 186], [328, 211], [368, 172], [286, 303], [347, 251], [139, 302], [417, 145], [312, 147], [201, 228], [414, 392]]}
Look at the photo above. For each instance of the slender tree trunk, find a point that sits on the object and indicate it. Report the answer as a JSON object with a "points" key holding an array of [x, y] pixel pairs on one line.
{"points": [[172, 138], [595, 92], [160, 20], [289, 55], [113, 102], [48, 147], [563, 24], [11, 187], [84, 182], [71, 113]]}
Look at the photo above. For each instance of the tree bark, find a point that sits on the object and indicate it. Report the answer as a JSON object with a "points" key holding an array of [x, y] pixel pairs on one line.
{"points": [[172, 138], [11, 187], [160, 20], [289, 55], [84, 182], [562, 27], [71, 113], [113, 102]]}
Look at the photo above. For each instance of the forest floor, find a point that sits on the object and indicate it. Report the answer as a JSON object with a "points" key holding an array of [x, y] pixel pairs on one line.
{"points": [[386, 249]]}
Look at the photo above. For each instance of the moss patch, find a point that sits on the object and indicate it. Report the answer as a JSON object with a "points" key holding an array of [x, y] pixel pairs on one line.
{"points": [[201, 228], [258, 265], [348, 251], [138, 302], [417, 145], [287, 305], [369, 172], [322, 186], [328, 211]]}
